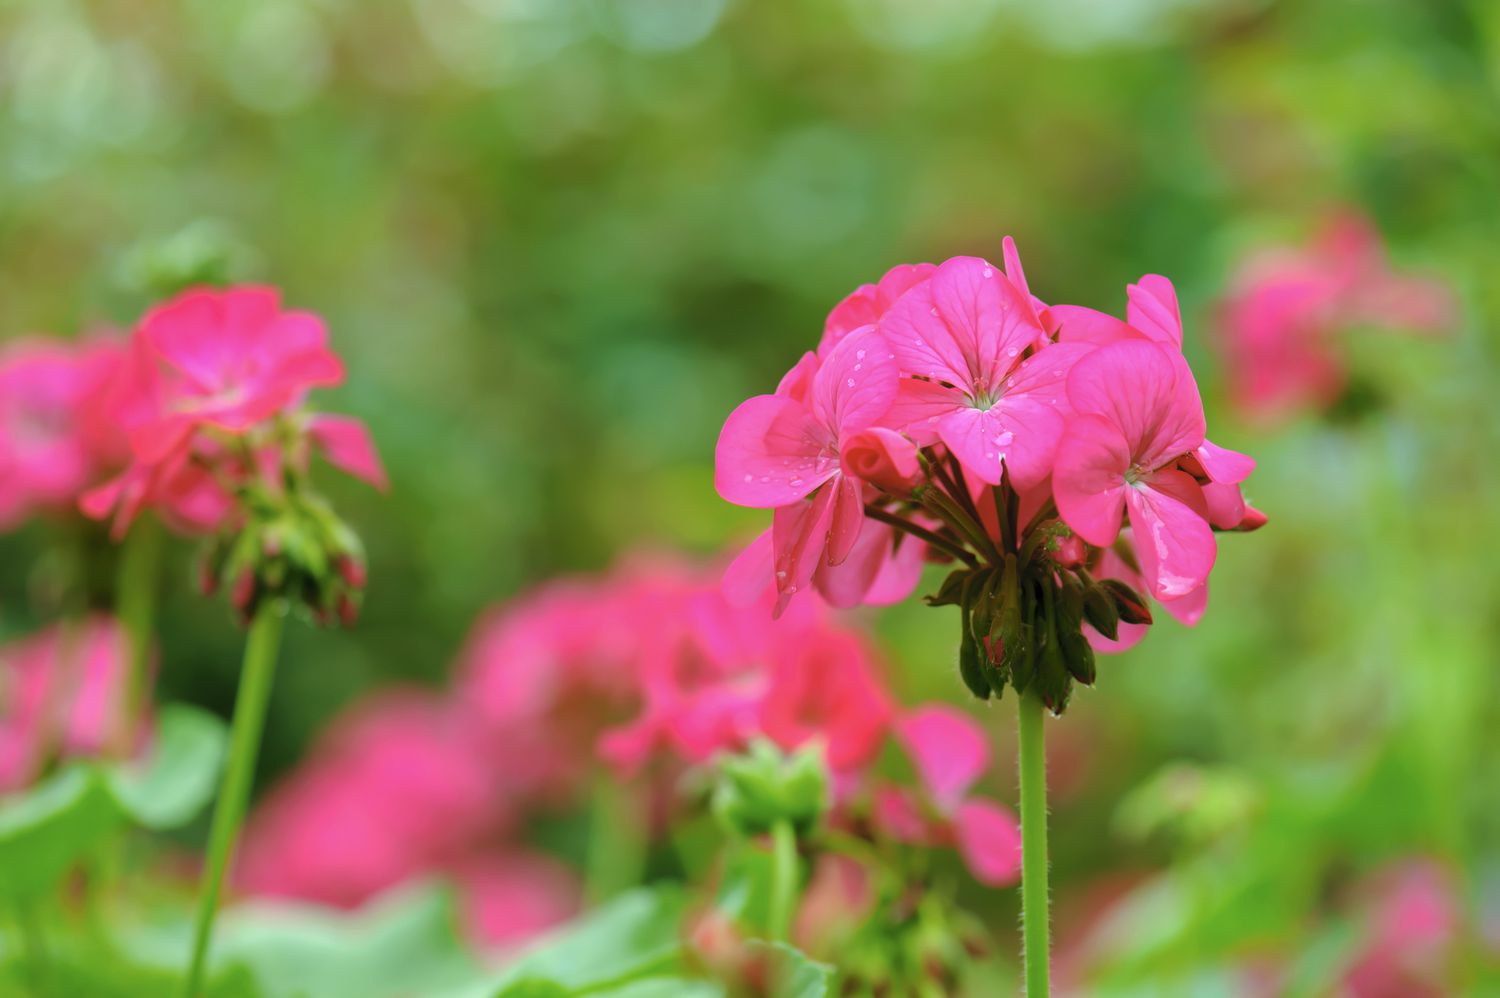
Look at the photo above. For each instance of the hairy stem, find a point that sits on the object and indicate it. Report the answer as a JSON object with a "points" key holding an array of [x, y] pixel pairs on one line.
{"points": [[256, 675], [1035, 926]]}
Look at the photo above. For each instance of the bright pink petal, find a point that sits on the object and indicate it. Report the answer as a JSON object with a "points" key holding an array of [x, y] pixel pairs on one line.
{"points": [[882, 457], [771, 453], [948, 748], [1152, 309], [1173, 540], [868, 303], [990, 841], [749, 574], [1225, 505], [1222, 464], [857, 382], [797, 383], [899, 574], [1088, 481], [799, 533], [1077, 324], [1188, 609], [1147, 392], [848, 518], [347, 445]]}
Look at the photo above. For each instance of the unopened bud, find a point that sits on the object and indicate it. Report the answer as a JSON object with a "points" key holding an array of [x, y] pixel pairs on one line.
{"points": [[242, 594], [884, 458], [1130, 604], [352, 570], [1100, 611], [1253, 519], [1070, 551]]}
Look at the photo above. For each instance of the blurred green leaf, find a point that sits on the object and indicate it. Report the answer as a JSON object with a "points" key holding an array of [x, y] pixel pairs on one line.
{"points": [[794, 974], [47, 830], [635, 936], [170, 787]]}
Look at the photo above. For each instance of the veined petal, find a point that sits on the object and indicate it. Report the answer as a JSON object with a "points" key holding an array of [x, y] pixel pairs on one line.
{"points": [[848, 517], [1222, 464], [1088, 479], [856, 383], [1152, 308], [1173, 540], [772, 452], [1077, 324], [799, 533], [1147, 391], [748, 575]]}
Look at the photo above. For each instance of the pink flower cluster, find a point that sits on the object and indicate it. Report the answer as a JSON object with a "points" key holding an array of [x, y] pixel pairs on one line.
{"points": [[201, 399], [1285, 319], [945, 408], [643, 674], [62, 691]]}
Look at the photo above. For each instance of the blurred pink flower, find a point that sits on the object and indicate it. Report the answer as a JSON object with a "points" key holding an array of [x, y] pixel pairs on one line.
{"points": [[62, 691], [1413, 921], [825, 690], [47, 453], [511, 897], [396, 788], [1283, 320], [950, 753]]}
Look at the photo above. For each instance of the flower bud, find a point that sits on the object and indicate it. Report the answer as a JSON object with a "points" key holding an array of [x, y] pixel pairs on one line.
{"points": [[1070, 551], [1253, 519], [884, 458], [762, 787], [1130, 604], [1101, 613]]}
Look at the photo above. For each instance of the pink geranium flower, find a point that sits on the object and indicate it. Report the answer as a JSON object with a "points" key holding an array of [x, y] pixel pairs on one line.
{"points": [[825, 690], [1138, 413], [868, 303], [967, 343], [783, 452]]}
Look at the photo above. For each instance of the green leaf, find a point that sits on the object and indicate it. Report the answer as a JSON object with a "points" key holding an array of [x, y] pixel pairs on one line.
{"points": [[746, 892], [45, 831], [794, 974], [664, 987], [633, 937], [404, 944], [169, 788]]}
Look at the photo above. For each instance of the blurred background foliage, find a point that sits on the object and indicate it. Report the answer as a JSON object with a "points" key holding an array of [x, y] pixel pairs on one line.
{"points": [[557, 240]]}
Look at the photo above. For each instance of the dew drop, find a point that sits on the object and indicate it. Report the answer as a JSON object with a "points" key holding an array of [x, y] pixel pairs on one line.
{"points": [[749, 478], [988, 273], [850, 382], [1012, 352], [859, 355]]}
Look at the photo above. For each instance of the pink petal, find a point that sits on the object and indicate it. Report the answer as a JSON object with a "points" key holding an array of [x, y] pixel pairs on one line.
{"points": [[848, 518], [1077, 324], [897, 815], [1222, 464], [797, 383], [1225, 505], [882, 457], [869, 302], [1152, 309], [748, 575], [1088, 481], [771, 453], [1188, 609], [948, 748], [1148, 392], [899, 573], [347, 445], [990, 841], [1173, 540], [857, 382], [799, 533]]}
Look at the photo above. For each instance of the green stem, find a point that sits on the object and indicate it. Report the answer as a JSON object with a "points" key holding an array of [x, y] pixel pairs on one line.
{"points": [[137, 583], [256, 674], [961, 521], [1035, 928], [783, 880], [617, 840]]}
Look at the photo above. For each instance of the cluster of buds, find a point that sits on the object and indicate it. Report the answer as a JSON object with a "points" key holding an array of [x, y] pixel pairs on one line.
{"points": [[1058, 453]]}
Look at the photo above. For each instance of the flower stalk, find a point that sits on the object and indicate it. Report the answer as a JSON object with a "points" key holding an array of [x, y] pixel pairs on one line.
{"points": [[256, 676], [1035, 916]]}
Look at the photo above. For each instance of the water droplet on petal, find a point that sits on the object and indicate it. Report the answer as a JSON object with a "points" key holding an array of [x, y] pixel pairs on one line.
{"points": [[988, 273], [850, 382], [859, 354], [1012, 352], [749, 478]]}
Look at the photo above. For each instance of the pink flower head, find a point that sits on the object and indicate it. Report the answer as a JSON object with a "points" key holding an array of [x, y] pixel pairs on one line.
{"points": [[950, 753], [47, 456], [869, 303], [229, 360], [1138, 413], [975, 379], [514, 896], [1283, 320], [1414, 921], [63, 692], [784, 453]]}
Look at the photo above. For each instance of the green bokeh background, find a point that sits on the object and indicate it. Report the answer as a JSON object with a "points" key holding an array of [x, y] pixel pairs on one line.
{"points": [[557, 240]]}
